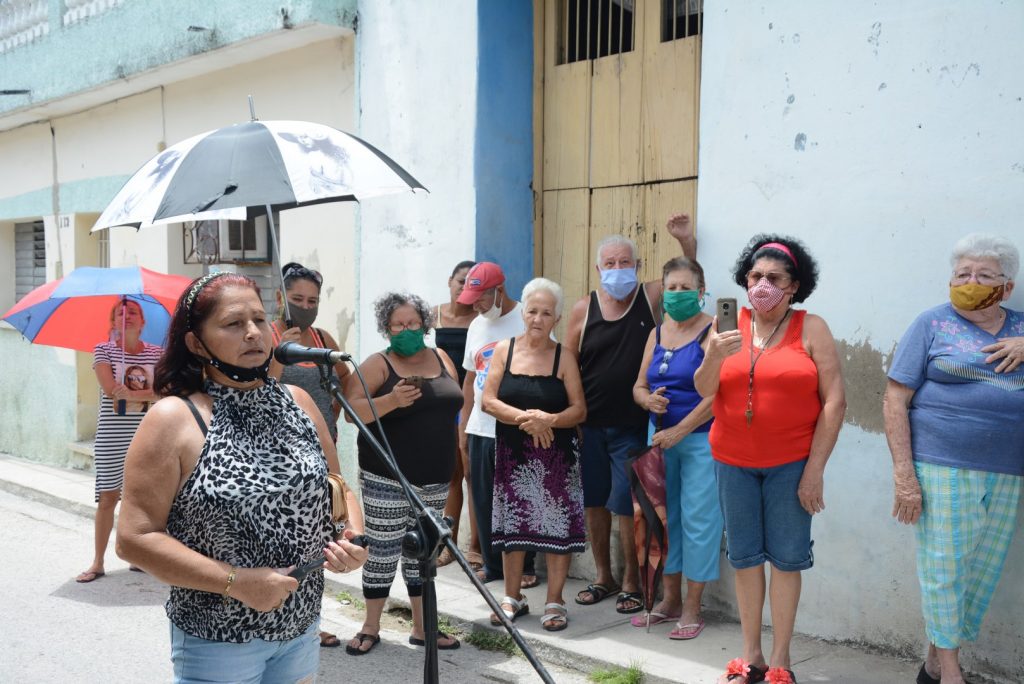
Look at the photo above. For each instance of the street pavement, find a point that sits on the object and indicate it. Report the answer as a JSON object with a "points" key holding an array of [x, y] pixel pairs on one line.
{"points": [[115, 630]]}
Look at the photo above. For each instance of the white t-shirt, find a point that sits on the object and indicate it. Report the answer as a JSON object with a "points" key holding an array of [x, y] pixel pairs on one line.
{"points": [[481, 339]]}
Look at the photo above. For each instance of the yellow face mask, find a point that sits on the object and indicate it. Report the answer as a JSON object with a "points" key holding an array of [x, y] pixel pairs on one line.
{"points": [[975, 296]]}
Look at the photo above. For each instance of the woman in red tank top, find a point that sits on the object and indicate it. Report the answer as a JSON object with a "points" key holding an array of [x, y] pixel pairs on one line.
{"points": [[778, 404]]}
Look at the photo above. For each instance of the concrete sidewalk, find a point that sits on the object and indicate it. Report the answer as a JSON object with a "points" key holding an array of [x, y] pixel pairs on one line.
{"points": [[597, 636]]}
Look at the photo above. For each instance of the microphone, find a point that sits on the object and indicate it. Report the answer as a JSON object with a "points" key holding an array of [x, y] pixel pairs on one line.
{"points": [[289, 353]]}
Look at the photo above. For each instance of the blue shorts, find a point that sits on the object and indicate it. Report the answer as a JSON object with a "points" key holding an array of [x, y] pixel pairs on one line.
{"points": [[605, 478], [270, 662], [764, 520]]}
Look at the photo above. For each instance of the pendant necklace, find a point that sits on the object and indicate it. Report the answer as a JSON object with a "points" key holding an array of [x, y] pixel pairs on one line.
{"points": [[755, 358]]}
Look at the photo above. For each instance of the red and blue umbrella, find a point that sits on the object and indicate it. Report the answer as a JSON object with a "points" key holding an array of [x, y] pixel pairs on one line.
{"points": [[74, 312]]}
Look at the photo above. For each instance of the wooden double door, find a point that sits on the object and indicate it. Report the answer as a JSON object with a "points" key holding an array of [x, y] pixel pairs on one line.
{"points": [[615, 122]]}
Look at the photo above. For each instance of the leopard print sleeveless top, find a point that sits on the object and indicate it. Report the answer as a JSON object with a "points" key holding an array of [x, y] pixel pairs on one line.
{"points": [[257, 497]]}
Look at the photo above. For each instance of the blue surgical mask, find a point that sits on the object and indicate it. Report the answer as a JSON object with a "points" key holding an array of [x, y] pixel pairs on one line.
{"points": [[619, 282]]}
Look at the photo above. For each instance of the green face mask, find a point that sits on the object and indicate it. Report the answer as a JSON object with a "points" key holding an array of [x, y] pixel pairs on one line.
{"points": [[407, 342], [681, 304]]}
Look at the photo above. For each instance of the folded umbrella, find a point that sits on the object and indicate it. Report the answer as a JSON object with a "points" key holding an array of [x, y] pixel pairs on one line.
{"points": [[650, 527]]}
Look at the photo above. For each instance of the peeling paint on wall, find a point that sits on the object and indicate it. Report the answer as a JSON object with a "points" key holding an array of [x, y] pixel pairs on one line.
{"points": [[344, 322], [800, 142], [864, 374]]}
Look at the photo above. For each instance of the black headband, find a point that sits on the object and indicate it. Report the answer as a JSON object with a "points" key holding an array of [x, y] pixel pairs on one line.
{"points": [[193, 294]]}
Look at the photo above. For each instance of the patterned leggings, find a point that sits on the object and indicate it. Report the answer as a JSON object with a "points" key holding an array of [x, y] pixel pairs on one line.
{"points": [[387, 517], [963, 536]]}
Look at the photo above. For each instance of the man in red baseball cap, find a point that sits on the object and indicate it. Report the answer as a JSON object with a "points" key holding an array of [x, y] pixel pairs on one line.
{"points": [[500, 318], [481, 278]]}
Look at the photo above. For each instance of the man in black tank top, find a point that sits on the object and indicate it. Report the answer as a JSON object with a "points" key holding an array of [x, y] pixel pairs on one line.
{"points": [[608, 331]]}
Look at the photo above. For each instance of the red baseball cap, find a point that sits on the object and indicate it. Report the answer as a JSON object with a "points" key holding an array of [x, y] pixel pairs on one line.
{"points": [[481, 278]]}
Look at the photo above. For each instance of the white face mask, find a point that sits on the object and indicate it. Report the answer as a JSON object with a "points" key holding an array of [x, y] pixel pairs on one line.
{"points": [[494, 313]]}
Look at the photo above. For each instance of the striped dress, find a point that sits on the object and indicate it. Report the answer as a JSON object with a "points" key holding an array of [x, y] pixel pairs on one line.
{"points": [[114, 432]]}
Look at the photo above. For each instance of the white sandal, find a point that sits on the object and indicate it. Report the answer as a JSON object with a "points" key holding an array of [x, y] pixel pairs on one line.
{"points": [[519, 607], [555, 617]]}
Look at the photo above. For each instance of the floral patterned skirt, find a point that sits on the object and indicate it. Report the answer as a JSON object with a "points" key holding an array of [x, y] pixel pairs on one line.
{"points": [[538, 493]]}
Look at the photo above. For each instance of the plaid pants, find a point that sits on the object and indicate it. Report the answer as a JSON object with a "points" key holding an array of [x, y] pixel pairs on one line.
{"points": [[963, 536]]}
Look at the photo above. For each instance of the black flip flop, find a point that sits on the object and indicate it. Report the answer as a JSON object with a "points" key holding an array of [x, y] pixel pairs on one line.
{"points": [[632, 596], [440, 635], [328, 640], [374, 639], [599, 592]]}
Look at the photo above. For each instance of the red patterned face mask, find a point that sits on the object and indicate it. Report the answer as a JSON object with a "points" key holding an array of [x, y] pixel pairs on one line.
{"points": [[765, 296]]}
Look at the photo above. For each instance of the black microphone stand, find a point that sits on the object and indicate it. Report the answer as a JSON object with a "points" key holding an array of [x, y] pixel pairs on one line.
{"points": [[425, 542]]}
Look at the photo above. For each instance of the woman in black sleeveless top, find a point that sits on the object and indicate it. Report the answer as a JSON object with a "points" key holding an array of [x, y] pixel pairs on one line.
{"points": [[416, 397], [537, 399], [452, 321]]}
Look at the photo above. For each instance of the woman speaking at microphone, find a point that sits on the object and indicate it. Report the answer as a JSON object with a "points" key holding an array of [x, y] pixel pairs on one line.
{"points": [[226, 492]]}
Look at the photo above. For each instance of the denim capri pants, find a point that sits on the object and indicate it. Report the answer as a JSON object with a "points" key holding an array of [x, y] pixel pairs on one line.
{"points": [[764, 520]]}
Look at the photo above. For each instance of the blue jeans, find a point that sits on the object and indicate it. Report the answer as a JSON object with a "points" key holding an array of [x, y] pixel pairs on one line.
{"points": [[764, 520], [605, 478], [256, 662], [481, 483]]}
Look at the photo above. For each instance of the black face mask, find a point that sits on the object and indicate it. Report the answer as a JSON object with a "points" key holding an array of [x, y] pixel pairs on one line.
{"points": [[236, 373], [302, 317]]}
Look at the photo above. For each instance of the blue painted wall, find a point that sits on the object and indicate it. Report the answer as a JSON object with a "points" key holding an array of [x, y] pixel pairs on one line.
{"points": [[504, 139]]}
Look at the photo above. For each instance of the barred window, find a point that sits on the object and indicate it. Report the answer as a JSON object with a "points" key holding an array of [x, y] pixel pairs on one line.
{"points": [[681, 19], [589, 29], [29, 257]]}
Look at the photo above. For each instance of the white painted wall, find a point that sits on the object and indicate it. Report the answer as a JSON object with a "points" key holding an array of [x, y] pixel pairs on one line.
{"points": [[417, 94], [879, 133]]}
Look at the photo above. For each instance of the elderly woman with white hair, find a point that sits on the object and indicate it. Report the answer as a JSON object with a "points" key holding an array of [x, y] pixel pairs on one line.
{"points": [[953, 410], [535, 394]]}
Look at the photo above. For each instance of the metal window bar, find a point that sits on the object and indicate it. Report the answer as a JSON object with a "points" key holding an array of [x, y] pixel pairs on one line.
{"points": [[681, 19], [589, 29]]}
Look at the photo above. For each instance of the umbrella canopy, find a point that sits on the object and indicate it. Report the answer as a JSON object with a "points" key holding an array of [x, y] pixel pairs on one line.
{"points": [[74, 312], [650, 519], [221, 174]]}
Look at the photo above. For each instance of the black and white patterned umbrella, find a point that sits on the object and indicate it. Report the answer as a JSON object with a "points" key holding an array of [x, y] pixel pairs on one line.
{"points": [[222, 174]]}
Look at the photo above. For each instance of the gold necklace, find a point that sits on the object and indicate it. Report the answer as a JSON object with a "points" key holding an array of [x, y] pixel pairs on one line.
{"points": [[754, 359]]}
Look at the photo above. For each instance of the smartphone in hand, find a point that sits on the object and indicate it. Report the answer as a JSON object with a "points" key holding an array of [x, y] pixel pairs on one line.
{"points": [[414, 380], [725, 309]]}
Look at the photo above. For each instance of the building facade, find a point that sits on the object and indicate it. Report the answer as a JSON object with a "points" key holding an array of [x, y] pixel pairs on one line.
{"points": [[877, 133]]}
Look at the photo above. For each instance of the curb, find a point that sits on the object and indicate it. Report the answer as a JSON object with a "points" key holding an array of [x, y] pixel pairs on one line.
{"points": [[545, 651], [48, 499]]}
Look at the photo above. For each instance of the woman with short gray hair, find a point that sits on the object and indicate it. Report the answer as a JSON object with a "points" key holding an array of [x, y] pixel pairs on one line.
{"points": [[952, 418], [413, 390]]}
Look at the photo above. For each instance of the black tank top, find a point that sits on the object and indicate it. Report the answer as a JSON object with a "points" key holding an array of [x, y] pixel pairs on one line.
{"points": [[610, 357], [422, 435], [453, 342], [542, 392]]}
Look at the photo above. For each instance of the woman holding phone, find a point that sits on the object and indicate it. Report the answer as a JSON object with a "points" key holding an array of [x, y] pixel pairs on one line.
{"points": [[415, 396], [778, 404]]}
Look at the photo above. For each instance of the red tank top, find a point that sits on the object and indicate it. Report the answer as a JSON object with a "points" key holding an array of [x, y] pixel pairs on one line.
{"points": [[786, 402]]}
